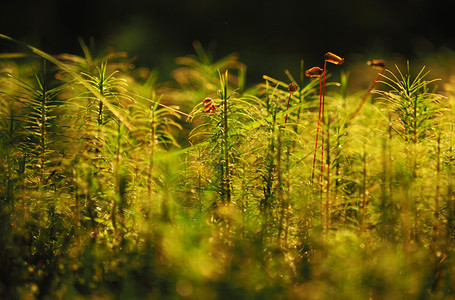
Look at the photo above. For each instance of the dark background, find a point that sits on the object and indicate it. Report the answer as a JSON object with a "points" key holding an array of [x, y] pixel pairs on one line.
{"points": [[269, 36]]}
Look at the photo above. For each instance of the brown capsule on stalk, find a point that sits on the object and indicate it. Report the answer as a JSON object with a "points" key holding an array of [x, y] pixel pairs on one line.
{"points": [[209, 106], [333, 58], [293, 87], [377, 64], [314, 72]]}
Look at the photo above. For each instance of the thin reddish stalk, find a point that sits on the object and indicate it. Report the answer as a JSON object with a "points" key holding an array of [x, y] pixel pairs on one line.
{"points": [[323, 122], [317, 131], [322, 140], [365, 97], [287, 107]]}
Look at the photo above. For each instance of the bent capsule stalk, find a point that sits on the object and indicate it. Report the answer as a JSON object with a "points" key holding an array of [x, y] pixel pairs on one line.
{"points": [[293, 87], [333, 58], [209, 106], [314, 72], [377, 64]]}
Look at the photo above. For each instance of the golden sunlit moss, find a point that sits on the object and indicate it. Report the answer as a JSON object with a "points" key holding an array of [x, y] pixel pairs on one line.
{"points": [[114, 185]]}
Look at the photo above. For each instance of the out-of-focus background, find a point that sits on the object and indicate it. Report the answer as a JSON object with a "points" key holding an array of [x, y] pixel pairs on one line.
{"points": [[269, 36]]}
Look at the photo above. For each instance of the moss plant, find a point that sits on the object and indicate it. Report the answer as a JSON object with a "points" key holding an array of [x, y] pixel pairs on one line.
{"points": [[316, 72], [334, 59]]}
